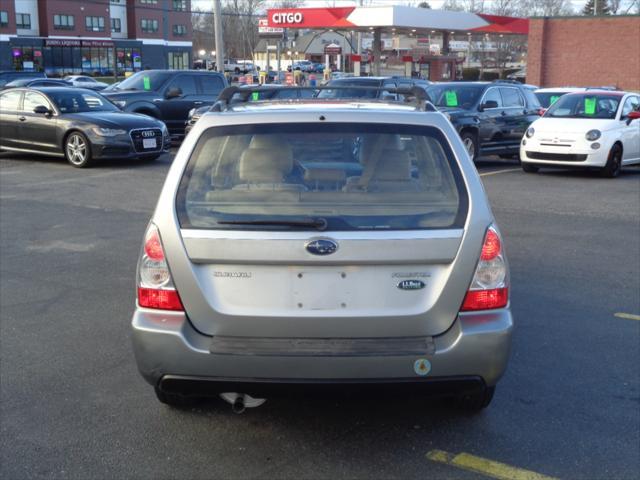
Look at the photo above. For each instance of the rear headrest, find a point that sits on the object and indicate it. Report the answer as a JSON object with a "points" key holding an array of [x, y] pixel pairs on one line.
{"points": [[394, 165], [265, 161], [268, 141]]}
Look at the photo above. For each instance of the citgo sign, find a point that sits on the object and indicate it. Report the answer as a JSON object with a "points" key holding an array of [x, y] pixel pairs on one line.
{"points": [[309, 17], [286, 17]]}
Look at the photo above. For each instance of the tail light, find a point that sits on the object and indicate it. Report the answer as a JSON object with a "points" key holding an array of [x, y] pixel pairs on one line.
{"points": [[155, 285], [489, 289]]}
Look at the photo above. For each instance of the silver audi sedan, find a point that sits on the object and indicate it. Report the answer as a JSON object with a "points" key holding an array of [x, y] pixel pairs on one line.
{"points": [[316, 244]]}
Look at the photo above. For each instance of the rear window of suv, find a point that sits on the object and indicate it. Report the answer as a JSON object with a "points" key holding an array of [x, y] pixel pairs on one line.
{"points": [[340, 176]]}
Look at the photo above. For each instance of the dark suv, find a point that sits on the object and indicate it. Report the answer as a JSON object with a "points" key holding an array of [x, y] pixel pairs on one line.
{"points": [[491, 117], [168, 95], [375, 86]]}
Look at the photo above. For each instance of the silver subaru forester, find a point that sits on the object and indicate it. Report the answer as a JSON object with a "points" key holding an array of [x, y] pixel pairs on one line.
{"points": [[318, 244]]}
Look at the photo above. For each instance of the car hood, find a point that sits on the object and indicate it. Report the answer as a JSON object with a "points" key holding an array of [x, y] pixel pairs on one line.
{"points": [[122, 120], [572, 125]]}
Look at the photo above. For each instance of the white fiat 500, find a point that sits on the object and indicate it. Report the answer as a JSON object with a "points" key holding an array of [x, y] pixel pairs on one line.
{"points": [[592, 129]]}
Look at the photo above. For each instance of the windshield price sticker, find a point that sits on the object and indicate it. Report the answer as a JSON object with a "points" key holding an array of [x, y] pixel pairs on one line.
{"points": [[255, 96], [451, 98], [554, 99], [147, 83], [590, 106]]}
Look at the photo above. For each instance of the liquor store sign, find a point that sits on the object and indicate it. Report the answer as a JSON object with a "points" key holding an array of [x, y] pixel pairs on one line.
{"points": [[77, 43]]}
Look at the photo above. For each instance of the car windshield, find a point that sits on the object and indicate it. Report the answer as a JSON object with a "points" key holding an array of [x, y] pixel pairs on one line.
{"points": [[74, 101], [547, 99], [359, 92], [585, 106], [144, 81], [337, 176], [455, 96]]}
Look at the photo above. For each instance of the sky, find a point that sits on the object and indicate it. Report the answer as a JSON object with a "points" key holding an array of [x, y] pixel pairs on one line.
{"points": [[208, 4]]}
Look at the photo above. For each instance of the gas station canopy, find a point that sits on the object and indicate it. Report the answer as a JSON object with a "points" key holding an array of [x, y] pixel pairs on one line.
{"points": [[395, 19]]}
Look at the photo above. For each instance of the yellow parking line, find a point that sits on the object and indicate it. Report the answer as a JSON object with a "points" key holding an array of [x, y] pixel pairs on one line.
{"points": [[499, 171], [628, 316], [483, 466]]}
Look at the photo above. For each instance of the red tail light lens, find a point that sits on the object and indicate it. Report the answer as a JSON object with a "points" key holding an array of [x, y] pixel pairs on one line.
{"points": [[485, 299], [489, 289], [160, 299], [155, 285]]}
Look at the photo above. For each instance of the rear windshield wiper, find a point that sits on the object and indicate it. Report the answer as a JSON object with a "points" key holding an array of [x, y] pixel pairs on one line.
{"points": [[317, 223]]}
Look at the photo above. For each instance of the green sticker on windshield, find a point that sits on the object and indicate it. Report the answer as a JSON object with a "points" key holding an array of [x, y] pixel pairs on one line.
{"points": [[451, 99], [590, 106], [553, 99], [255, 96], [147, 83]]}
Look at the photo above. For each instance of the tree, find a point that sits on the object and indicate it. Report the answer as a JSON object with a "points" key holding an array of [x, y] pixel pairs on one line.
{"points": [[424, 5], [546, 8], [601, 7]]}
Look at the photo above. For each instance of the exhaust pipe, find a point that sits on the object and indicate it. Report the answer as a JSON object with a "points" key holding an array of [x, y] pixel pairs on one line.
{"points": [[241, 401], [238, 405]]}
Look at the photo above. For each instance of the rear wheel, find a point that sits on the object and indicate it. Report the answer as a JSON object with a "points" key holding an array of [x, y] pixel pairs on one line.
{"points": [[528, 168], [470, 141], [174, 400], [614, 163], [475, 401], [77, 150]]}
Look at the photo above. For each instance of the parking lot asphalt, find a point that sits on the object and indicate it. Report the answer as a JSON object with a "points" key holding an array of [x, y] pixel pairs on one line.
{"points": [[74, 406]]}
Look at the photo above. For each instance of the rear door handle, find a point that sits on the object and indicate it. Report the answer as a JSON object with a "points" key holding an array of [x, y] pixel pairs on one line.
{"points": [[22, 119]]}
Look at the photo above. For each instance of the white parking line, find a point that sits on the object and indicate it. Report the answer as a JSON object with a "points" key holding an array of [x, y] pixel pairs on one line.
{"points": [[499, 171], [69, 180]]}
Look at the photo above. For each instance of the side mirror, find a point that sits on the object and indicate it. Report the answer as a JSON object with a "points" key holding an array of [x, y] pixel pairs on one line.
{"points": [[173, 92], [488, 104], [42, 110], [633, 115]]}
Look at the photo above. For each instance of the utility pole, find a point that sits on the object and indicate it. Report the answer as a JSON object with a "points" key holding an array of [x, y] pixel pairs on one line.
{"points": [[359, 40], [217, 18]]}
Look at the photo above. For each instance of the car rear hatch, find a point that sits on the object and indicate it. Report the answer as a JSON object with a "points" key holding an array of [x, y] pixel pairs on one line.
{"points": [[361, 244]]}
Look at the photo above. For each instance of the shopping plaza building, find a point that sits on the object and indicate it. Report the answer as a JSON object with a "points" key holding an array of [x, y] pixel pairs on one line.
{"points": [[94, 36]]}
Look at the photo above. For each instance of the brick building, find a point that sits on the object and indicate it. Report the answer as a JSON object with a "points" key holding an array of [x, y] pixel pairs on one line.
{"points": [[585, 51], [77, 36]]}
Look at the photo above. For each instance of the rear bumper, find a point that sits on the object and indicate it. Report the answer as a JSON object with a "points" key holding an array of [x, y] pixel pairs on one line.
{"points": [[170, 353]]}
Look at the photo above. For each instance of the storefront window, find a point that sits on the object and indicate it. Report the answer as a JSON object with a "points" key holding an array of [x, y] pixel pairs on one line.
{"points": [[129, 59], [178, 60], [27, 58]]}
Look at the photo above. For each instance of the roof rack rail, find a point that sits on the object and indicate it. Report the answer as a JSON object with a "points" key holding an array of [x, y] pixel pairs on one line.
{"points": [[413, 95], [506, 80]]}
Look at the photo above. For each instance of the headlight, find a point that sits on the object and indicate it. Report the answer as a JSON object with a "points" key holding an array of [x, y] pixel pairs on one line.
{"points": [[593, 135], [191, 112], [108, 132], [120, 103], [165, 130], [530, 132]]}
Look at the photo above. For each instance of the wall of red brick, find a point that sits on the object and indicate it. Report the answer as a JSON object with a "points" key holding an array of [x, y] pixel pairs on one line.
{"points": [[9, 7], [584, 51]]}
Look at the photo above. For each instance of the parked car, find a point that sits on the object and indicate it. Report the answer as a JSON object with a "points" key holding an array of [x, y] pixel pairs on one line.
{"points": [[83, 81], [168, 95], [303, 65], [78, 124], [491, 117], [592, 129], [268, 92], [290, 274], [376, 87], [7, 76], [35, 82]]}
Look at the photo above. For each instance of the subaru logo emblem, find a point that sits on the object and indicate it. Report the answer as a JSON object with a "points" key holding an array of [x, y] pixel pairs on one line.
{"points": [[148, 133], [411, 285], [321, 246]]}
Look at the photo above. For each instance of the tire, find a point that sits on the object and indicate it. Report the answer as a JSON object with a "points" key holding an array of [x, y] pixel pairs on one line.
{"points": [[470, 141], [174, 400], [475, 401], [614, 163], [77, 150], [528, 168]]}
